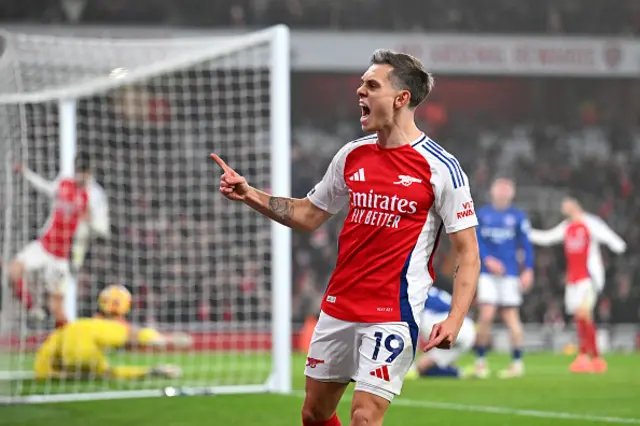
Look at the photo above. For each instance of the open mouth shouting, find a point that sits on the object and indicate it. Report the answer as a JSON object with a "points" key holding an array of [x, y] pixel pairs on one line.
{"points": [[365, 111]]}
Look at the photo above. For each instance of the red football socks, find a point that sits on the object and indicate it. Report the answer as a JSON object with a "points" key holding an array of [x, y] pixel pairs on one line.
{"points": [[592, 339], [587, 337], [22, 294], [581, 328], [333, 421]]}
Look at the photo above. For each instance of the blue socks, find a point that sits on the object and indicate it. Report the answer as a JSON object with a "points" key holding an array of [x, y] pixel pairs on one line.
{"points": [[517, 354], [481, 351]]}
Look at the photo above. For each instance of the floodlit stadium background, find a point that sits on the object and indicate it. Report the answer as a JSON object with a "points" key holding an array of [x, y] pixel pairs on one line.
{"points": [[546, 92]]}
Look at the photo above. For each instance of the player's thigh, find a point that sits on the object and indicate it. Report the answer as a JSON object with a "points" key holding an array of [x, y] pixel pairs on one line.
{"points": [[385, 356], [487, 293], [57, 275], [333, 351], [580, 296], [510, 292], [33, 257]]}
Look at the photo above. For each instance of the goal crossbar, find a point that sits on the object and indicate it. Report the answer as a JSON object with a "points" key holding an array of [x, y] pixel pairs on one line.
{"points": [[105, 83]]}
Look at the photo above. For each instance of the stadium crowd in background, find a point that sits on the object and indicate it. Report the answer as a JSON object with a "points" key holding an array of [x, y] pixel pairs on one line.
{"points": [[488, 16], [588, 154]]}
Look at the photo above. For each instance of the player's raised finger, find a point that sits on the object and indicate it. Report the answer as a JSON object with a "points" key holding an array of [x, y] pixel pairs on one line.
{"points": [[435, 338], [433, 343], [222, 164]]}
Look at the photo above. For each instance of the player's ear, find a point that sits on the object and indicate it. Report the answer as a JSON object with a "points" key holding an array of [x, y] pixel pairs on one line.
{"points": [[402, 99]]}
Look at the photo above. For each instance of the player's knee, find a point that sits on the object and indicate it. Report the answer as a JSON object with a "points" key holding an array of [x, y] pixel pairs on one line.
{"points": [[361, 417], [312, 414], [583, 313], [367, 409], [511, 318], [486, 316], [316, 410]]}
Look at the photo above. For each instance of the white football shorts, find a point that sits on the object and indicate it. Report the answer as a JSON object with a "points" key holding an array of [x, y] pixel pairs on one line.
{"points": [[578, 295], [55, 271], [499, 291], [465, 341], [376, 356]]}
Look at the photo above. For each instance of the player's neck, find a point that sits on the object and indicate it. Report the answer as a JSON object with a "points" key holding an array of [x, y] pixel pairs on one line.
{"points": [[577, 217], [396, 135], [501, 207]]}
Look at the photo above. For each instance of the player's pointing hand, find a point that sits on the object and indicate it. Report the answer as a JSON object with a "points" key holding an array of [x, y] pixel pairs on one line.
{"points": [[232, 185], [443, 335]]}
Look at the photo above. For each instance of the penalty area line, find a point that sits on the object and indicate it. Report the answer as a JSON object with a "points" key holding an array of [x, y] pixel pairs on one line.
{"points": [[558, 415]]}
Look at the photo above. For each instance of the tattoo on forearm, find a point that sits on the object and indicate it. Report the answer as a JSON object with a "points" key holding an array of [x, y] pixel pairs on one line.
{"points": [[282, 208], [455, 272]]}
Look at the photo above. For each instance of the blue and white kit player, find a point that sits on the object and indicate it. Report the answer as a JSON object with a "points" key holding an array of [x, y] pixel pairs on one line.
{"points": [[442, 362], [503, 234]]}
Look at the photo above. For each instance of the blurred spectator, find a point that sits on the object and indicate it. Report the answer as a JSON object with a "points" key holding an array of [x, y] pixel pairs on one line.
{"points": [[597, 17]]}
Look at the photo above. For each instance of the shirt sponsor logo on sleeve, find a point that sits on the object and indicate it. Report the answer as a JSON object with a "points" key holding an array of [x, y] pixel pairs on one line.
{"points": [[467, 210]]}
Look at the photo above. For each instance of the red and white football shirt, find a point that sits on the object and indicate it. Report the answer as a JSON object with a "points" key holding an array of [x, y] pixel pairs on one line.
{"points": [[70, 206], [577, 244], [582, 240], [399, 199]]}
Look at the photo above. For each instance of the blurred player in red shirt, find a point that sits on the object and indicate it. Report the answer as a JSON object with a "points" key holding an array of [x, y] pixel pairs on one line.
{"points": [[582, 233], [49, 255], [403, 190]]}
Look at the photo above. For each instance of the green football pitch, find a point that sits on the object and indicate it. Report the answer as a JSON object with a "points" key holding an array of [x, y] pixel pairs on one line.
{"points": [[547, 395]]}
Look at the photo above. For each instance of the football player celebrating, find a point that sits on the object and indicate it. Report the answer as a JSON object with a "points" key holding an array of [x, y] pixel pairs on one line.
{"points": [[402, 189], [52, 251], [582, 234]]}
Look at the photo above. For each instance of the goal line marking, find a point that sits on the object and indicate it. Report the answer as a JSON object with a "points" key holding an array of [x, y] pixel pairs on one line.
{"points": [[504, 411]]}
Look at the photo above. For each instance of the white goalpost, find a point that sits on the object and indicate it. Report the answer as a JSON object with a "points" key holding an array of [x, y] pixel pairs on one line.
{"points": [[148, 113]]}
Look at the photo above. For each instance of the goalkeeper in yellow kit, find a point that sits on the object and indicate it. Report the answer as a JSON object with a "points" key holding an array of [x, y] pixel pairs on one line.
{"points": [[78, 349]]}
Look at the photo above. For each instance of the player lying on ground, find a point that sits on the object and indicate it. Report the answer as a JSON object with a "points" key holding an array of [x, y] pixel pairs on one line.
{"points": [[582, 234], [442, 362], [72, 208], [402, 189], [77, 350], [503, 231]]}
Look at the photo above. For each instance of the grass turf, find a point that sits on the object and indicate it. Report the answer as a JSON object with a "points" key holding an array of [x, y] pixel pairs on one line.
{"points": [[548, 395]]}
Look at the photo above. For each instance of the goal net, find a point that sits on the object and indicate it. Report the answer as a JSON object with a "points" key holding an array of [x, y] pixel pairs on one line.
{"points": [[148, 113]]}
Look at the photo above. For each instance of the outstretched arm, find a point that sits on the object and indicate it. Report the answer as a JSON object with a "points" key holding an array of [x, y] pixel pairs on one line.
{"points": [[298, 213], [99, 210], [607, 236], [39, 183], [549, 237]]}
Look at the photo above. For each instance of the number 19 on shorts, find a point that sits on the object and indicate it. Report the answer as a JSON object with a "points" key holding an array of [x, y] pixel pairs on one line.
{"points": [[393, 344]]}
